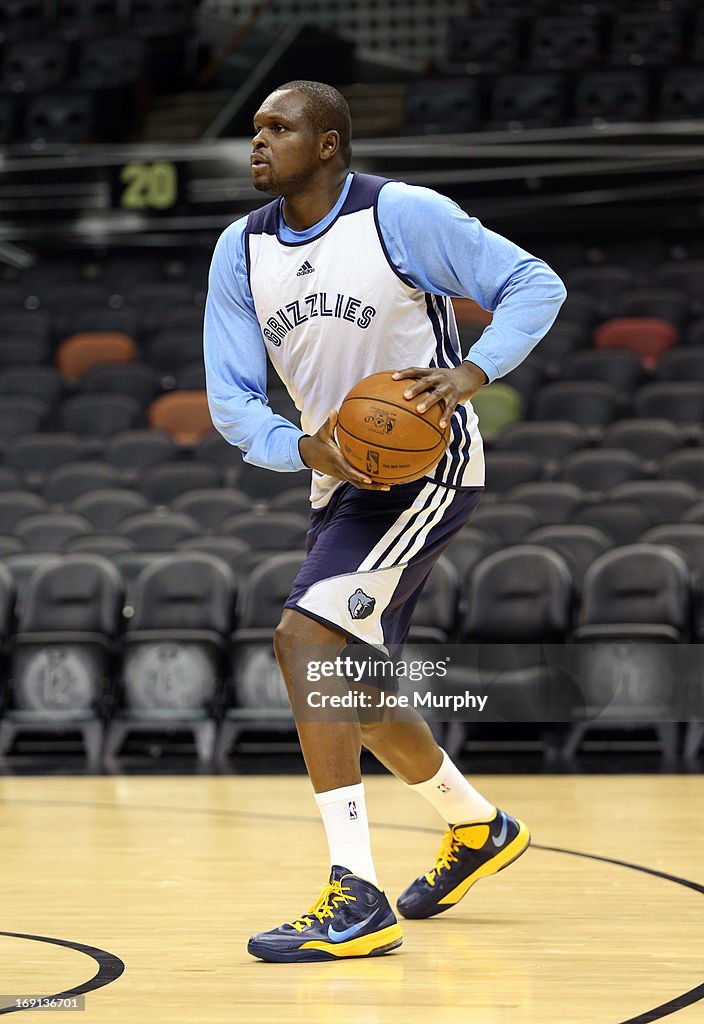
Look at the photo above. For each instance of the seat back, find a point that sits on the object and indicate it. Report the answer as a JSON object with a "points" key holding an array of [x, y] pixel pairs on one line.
{"points": [[522, 594], [183, 414]]}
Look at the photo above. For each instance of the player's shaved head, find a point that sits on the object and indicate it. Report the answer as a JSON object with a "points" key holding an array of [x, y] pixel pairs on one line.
{"points": [[326, 110]]}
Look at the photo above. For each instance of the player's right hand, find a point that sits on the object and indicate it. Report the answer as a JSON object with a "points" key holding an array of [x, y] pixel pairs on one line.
{"points": [[321, 451]]}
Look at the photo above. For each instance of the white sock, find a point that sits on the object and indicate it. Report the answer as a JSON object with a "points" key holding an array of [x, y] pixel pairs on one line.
{"points": [[344, 814], [453, 797]]}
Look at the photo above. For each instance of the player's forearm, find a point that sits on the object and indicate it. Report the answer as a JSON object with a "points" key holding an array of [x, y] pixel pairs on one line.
{"points": [[525, 313]]}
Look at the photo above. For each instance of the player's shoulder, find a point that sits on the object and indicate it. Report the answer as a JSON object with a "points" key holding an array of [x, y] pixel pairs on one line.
{"points": [[399, 194]]}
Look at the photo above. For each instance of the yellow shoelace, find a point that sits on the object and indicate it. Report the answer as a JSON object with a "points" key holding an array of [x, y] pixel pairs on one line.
{"points": [[330, 897], [445, 856]]}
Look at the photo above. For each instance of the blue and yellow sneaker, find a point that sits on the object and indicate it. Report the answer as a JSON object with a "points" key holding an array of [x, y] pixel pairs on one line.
{"points": [[467, 853], [351, 917]]}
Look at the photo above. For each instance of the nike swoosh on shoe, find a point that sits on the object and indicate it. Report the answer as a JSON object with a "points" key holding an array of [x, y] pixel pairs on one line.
{"points": [[348, 933], [500, 839]]}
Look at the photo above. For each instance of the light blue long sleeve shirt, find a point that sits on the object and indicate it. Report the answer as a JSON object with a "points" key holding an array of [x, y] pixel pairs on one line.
{"points": [[434, 245]]}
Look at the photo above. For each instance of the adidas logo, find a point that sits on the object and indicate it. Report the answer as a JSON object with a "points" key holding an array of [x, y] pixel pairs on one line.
{"points": [[305, 269]]}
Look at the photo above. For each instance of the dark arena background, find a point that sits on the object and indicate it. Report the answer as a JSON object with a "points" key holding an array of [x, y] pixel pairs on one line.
{"points": [[154, 804]]}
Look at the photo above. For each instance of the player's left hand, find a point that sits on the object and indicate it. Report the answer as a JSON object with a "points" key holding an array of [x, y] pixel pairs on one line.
{"points": [[449, 385]]}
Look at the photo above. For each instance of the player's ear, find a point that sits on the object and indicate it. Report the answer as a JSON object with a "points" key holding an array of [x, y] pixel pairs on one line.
{"points": [[329, 144]]}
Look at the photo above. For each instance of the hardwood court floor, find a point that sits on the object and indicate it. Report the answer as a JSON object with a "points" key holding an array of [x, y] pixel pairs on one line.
{"points": [[170, 876]]}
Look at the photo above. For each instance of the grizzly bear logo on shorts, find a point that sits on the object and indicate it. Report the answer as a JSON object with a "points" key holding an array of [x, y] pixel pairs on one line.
{"points": [[361, 605]]}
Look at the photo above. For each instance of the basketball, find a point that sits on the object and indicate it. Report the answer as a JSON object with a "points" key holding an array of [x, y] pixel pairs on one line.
{"points": [[382, 434]]}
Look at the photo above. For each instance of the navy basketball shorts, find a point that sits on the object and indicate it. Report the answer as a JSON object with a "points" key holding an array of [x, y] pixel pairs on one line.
{"points": [[370, 552]]}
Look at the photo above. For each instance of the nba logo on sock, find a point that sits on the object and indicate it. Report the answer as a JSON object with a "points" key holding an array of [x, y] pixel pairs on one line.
{"points": [[352, 805], [443, 788]]}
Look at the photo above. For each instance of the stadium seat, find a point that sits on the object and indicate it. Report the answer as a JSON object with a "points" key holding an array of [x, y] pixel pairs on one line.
{"points": [[694, 514], [35, 65], [135, 379], [262, 485], [682, 94], [600, 469], [64, 484], [106, 508], [111, 61], [22, 19], [98, 415], [468, 546], [551, 500], [68, 623], [635, 601], [578, 545], [21, 414], [679, 401], [684, 276], [694, 335], [174, 651], [158, 531], [59, 118], [76, 18], [91, 319], [34, 455], [41, 382], [211, 506], [443, 104], [526, 379], [588, 403], [528, 100], [517, 600], [11, 546], [50, 531], [215, 449], [681, 363], [8, 116], [622, 520], [434, 618], [257, 698], [648, 337], [191, 377], [131, 451], [483, 44], [505, 470], [509, 521], [162, 483], [157, 18], [230, 550], [552, 441], [294, 499], [564, 337], [611, 96], [106, 544], [18, 349], [686, 465], [183, 414], [267, 533], [82, 352], [665, 500], [666, 304], [604, 284], [564, 43], [649, 438], [10, 479], [496, 405], [25, 324], [14, 505], [688, 539], [646, 38], [620, 368]]}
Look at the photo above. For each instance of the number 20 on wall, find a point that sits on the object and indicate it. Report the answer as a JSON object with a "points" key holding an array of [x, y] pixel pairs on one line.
{"points": [[153, 186]]}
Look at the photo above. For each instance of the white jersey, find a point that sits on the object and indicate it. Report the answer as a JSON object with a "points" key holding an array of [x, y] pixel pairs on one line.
{"points": [[333, 309]]}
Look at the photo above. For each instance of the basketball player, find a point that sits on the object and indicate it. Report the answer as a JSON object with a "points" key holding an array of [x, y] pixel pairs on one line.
{"points": [[343, 275]]}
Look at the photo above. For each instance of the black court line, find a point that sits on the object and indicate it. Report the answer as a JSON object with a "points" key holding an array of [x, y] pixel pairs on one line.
{"points": [[110, 967], [679, 1002]]}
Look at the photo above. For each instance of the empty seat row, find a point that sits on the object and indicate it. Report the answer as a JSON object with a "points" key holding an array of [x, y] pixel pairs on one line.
{"points": [[595, 469], [176, 662], [553, 98], [565, 41]]}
